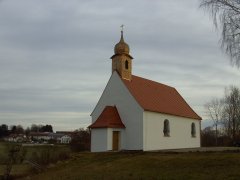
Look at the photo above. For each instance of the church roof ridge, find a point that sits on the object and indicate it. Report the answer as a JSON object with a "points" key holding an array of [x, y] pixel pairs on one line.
{"points": [[153, 81], [157, 97]]}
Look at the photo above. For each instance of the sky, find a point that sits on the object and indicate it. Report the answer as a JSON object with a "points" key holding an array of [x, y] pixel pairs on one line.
{"points": [[55, 55]]}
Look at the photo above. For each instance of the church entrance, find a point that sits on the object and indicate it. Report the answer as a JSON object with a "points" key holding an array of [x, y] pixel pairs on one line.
{"points": [[115, 140]]}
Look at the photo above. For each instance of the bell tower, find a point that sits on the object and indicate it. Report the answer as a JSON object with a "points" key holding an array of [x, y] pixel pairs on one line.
{"points": [[122, 60]]}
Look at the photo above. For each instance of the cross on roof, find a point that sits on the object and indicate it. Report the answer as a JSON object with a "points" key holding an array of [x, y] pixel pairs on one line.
{"points": [[122, 27]]}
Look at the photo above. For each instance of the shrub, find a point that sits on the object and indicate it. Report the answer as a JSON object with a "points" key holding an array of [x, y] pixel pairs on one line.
{"points": [[80, 140], [48, 155]]}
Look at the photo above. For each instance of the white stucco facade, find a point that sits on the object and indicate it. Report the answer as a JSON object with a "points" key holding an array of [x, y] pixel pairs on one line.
{"points": [[144, 129], [66, 139], [101, 139], [131, 114], [180, 132]]}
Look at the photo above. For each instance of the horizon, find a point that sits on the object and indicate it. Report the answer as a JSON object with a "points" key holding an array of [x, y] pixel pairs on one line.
{"points": [[55, 55]]}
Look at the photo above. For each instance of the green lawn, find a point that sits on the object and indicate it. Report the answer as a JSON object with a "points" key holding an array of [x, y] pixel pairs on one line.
{"points": [[225, 165]]}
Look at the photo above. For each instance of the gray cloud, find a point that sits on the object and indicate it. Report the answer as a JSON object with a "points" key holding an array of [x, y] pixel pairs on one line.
{"points": [[54, 55]]}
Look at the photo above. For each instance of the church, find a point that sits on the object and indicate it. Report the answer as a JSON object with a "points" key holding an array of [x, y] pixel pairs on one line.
{"points": [[134, 113]]}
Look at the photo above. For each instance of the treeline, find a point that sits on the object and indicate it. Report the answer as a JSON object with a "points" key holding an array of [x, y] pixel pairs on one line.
{"points": [[40, 128], [225, 115], [18, 129], [81, 140]]}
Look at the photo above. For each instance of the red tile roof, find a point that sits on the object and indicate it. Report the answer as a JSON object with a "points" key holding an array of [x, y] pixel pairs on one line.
{"points": [[157, 97], [109, 118]]}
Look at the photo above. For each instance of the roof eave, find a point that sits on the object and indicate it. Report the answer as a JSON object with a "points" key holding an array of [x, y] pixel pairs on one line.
{"points": [[197, 117], [98, 127]]}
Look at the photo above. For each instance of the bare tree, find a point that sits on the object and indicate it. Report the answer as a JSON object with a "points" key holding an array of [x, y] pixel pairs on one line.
{"points": [[19, 129], [214, 110], [232, 112], [13, 156], [226, 16], [81, 140]]}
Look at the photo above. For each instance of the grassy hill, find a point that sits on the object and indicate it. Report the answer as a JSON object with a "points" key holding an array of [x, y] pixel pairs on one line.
{"points": [[130, 165], [146, 165]]}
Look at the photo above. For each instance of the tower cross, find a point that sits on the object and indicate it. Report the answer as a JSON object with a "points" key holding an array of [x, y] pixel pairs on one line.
{"points": [[122, 27]]}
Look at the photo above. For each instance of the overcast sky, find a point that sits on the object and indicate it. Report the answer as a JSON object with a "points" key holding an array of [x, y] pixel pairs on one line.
{"points": [[55, 55]]}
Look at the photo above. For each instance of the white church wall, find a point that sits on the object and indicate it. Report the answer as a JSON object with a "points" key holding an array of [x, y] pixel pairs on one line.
{"points": [[116, 94], [98, 139], [180, 132], [101, 139]]}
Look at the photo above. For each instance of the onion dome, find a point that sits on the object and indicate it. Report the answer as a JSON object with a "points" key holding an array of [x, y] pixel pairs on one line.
{"points": [[121, 47]]}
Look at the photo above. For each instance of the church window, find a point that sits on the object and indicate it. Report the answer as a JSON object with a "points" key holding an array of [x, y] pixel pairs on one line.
{"points": [[166, 128], [193, 130], [126, 64]]}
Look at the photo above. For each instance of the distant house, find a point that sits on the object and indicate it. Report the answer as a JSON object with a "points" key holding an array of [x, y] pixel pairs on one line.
{"points": [[135, 113], [40, 136], [46, 136], [70, 133], [16, 138], [65, 139]]}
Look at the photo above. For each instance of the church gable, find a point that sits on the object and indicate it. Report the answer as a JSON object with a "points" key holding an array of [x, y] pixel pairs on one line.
{"points": [[130, 112], [116, 94]]}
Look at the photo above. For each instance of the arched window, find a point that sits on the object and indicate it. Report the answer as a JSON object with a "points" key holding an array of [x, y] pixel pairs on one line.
{"points": [[193, 130], [166, 128], [126, 64]]}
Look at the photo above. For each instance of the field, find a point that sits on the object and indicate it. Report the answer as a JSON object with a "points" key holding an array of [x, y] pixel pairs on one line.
{"points": [[141, 165], [41, 154], [146, 166]]}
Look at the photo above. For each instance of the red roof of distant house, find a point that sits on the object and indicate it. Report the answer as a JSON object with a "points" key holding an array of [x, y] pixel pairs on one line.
{"points": [[39, 133], [157, 97], [65, 132], [109, 118]]}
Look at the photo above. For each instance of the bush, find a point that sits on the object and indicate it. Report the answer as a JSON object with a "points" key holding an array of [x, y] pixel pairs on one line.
{"points": [[80, 140], [48, 155]]}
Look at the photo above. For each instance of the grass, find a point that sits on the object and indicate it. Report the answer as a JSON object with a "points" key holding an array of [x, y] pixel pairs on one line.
{"points": [[2, 152], [18, 170], [134, 165], [39, 154], [146, 165]]}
